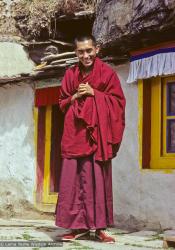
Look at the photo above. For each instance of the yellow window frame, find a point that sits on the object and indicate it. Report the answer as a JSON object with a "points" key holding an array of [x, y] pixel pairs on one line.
{"points": [[159, 158], [49, 199], [166, 117]]}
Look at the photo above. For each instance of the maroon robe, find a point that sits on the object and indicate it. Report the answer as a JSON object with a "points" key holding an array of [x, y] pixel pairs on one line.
{"points": [[93, 129], [92, 124], [85, 194]]}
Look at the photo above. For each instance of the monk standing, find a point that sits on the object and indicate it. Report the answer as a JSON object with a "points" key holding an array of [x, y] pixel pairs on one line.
{"points": [[93, 102]]}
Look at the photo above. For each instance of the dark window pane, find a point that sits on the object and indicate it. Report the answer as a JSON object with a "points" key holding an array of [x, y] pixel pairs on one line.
{"points": [[170, 136], [170, 98]]}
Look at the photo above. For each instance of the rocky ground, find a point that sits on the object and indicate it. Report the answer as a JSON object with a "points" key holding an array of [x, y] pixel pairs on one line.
{"points": [[42, 234]]}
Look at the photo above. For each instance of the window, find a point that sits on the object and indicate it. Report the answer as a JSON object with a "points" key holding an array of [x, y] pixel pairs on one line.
{"points": [[157, 123]]}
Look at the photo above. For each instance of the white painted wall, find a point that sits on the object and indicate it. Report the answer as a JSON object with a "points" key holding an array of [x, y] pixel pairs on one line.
{"points": [[17, 156], [14, 60], [141, 197]]}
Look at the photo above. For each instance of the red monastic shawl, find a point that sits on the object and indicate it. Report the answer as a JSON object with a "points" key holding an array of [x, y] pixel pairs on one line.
{"points": [[92, 124]]}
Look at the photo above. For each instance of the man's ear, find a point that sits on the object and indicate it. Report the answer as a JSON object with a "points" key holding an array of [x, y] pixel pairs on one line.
{"points": [[97, 48], [76, 52]]}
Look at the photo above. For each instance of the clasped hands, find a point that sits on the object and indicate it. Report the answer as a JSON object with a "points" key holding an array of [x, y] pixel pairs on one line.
{"points": [[83, 89]]}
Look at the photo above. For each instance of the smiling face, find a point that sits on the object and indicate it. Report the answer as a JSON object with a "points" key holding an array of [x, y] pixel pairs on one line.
{"points": [[86, 52]]}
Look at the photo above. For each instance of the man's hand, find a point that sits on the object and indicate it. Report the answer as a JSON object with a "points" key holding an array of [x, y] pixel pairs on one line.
{"points": [[85, 89], [75, 96]]}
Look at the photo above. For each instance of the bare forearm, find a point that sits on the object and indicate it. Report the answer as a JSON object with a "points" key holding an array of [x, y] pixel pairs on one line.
{"points": [[73, 98]]}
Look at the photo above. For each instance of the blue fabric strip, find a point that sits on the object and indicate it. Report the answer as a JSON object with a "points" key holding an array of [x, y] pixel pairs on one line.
{"points": [[151, 53]]}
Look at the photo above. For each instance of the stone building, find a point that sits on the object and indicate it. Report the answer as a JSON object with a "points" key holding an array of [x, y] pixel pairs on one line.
{"points": [[137, 39]]}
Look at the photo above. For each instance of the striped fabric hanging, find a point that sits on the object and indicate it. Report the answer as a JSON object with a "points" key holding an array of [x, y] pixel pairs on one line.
{"points": [[46, 96], [153, 61]]}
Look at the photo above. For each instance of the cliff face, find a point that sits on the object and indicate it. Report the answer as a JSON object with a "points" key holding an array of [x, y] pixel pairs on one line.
{"points": [[124, 25]]}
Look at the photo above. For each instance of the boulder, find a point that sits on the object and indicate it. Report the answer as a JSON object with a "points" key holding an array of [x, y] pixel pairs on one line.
{"points": [[125, 25]]}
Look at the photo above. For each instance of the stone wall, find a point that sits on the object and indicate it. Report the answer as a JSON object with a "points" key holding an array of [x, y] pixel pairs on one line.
{"points": [[14, 60], [142, 198], [17, 156]]}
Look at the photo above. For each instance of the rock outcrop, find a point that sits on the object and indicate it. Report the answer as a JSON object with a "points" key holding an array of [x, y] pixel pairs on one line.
{"points": [[124, 25]]}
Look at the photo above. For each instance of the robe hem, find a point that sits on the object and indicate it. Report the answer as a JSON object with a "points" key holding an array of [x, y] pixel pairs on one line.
{"points": [[85, 227]]}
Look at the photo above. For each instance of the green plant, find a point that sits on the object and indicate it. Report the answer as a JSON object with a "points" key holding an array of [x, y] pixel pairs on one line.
{"points": [[26, 236]]}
